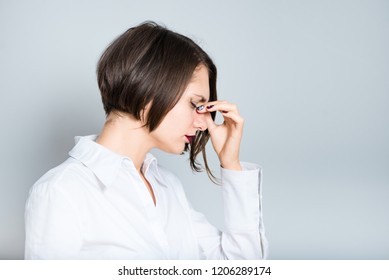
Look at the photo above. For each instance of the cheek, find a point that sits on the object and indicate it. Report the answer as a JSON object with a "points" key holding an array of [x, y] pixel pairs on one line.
{"points": [[189, 118], [183, 118]]}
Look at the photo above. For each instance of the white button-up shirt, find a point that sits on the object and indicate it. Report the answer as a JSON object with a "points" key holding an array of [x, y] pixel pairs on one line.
{"points": [[96, 206]]}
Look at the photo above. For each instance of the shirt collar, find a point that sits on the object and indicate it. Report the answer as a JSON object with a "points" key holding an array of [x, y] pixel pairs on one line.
{"points": [[106, 164], [150, 166]]}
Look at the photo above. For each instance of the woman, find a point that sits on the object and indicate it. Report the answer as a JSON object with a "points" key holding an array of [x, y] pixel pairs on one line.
{"points": [[110, 199]]}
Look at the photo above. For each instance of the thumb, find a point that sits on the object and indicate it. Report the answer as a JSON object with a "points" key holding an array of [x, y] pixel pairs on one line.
{"points": [[211, 125]]}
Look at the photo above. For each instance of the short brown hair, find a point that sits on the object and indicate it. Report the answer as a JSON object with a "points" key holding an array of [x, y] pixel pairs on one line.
{"points": [[149, 64]]}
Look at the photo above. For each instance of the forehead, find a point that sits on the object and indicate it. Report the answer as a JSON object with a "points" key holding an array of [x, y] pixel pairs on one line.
{"points": [[198, 86]]}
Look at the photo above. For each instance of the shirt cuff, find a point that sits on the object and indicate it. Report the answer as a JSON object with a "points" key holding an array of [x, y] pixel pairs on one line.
{"points": [[242, 197]]}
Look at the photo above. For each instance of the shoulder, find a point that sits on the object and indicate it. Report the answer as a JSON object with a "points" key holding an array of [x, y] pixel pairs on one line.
{"points": [[66, 177]]}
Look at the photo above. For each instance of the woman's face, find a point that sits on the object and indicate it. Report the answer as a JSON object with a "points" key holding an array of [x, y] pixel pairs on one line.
{"points": [[181, 123]]}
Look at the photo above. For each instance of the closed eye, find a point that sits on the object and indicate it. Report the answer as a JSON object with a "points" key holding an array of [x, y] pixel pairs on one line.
{"points": [[196, 106]]}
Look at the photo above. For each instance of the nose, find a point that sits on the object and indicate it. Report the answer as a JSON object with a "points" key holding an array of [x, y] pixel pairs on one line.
{"points": [[199, 121]]}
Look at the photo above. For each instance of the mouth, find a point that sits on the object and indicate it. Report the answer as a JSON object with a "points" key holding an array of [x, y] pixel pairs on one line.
{"points": [[190, 138]]}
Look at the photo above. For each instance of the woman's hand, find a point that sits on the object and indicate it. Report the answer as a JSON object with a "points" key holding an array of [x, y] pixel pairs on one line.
{"points": [[225, 137]]}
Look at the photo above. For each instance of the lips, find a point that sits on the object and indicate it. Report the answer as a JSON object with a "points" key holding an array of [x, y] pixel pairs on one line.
{"points": [[190, 138]]}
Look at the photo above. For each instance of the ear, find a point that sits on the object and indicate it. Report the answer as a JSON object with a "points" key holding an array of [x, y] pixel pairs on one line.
{"points": [[145, 112]]}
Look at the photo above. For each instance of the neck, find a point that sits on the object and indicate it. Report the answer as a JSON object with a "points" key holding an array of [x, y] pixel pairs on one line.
{"points": [[126, 136]]}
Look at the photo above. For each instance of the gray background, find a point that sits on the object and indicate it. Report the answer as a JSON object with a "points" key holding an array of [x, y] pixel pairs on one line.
{"points": [[310, 78]]}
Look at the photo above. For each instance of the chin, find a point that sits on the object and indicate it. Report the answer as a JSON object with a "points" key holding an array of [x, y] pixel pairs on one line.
{"points": [[177, 150]]}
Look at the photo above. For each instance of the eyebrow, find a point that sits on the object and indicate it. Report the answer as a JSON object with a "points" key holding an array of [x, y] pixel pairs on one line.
{"points": [[202, 98]]}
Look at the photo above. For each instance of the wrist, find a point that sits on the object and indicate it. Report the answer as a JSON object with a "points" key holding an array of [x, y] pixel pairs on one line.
{"points": [[232, 166]]}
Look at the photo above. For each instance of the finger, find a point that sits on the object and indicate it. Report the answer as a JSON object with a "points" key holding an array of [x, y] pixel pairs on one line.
{"points": [[229, 111], [223, 107], [233, 116], [211, 125], [208, 107]]}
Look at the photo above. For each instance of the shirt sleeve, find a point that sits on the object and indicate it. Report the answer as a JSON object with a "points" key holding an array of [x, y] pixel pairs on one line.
{"points": [[51, 224], [244, 234]]}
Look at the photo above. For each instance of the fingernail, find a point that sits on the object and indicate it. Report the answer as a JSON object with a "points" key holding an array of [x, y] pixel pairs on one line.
{"points": [[209, 106], [200, 108]]}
